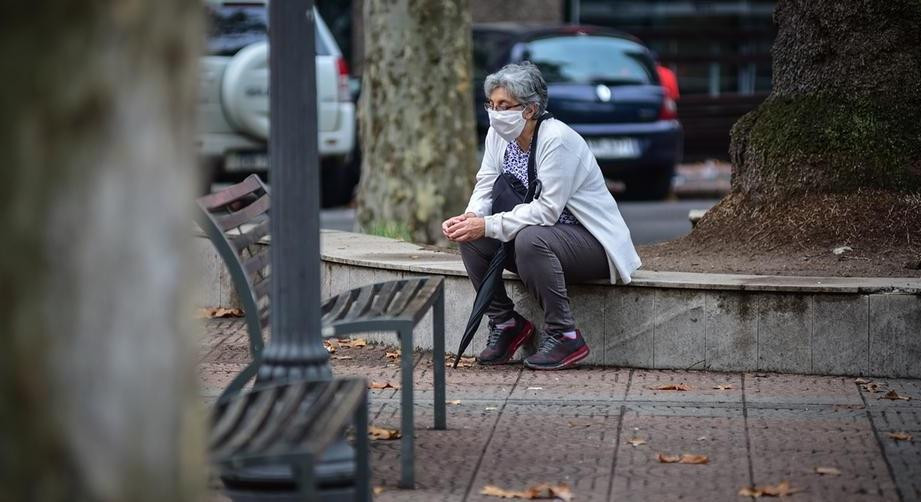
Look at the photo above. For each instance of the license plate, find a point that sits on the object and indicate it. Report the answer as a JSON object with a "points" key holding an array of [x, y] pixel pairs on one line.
{"points": [[246, 161], [614, 148]]}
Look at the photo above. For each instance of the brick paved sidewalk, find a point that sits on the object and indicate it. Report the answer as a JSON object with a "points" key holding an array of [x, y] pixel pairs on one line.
{"points": [[514, 427]]}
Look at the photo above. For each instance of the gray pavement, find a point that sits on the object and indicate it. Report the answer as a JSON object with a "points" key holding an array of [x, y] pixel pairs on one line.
{"points": [[512, 427]]}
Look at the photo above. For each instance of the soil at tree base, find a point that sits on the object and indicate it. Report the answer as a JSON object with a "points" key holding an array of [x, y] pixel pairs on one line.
{"points": [[797, 237]]}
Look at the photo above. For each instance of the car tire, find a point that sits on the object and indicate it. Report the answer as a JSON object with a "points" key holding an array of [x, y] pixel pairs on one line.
{"points": [[654, 183], [338, 179]]}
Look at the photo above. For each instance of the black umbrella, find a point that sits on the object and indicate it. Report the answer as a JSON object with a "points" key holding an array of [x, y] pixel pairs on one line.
{"points": [[494, 273], [483, 297]]}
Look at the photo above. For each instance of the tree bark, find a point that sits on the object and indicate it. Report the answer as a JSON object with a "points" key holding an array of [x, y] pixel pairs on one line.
{"points": [[844, 113], [97, 384], [416, 111]]}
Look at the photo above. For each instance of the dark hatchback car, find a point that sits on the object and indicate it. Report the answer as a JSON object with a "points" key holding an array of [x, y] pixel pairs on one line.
{"points": [[603, 84]]}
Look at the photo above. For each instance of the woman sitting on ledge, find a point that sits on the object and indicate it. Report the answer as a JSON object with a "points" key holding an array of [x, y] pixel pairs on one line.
{"points": [[571, 232]]}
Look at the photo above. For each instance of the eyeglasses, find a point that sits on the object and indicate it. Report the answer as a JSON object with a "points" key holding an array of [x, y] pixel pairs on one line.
{"points": [[502, 108]]}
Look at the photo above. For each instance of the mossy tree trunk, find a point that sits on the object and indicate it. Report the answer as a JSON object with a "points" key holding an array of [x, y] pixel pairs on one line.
{"points": [[844, 112], [833, 155], [97, 384], [416, 112]]}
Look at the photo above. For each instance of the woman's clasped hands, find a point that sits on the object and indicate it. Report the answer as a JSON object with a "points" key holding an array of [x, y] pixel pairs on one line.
{"points": [[464, 228]]}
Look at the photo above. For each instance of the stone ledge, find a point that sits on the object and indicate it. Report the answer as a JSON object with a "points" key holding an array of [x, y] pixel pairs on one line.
{"points": [[388, 254]]}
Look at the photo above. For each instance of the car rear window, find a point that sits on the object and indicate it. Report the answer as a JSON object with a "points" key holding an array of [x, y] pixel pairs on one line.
{"points": [[232, 27], [585, 59]]}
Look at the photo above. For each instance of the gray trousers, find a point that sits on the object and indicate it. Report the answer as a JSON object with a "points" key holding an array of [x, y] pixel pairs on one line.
{"points": [[546, 259]]}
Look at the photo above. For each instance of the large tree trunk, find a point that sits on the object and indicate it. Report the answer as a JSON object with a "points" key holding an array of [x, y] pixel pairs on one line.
{"points": [[844, 112], [831, 158], [416, 110], [97, 384]]}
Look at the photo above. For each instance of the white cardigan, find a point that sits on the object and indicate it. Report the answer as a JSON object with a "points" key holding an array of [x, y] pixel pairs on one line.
{"points": [[571, 179]]}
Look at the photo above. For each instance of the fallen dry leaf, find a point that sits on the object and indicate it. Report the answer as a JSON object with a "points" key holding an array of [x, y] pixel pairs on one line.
{"points": [[828, 471], [871, 387], [218, 312], [636, 442], [560, 491], [359, 343], [694, 459], [382, 385], [392, 355], [723, 387], [378, 490], [342, 358], [862, 381], [683, 459], [899, 436], [894, 396], [672, 386], [465, 362], [781, 489], [668, 459], [382, 433], [454, 401]]}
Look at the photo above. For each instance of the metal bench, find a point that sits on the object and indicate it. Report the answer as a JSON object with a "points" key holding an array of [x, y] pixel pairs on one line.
{"points": [[293, 424], [236, 220]]}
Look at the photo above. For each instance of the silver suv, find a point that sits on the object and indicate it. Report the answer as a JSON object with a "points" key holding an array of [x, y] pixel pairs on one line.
{"points": [[234, 99]]}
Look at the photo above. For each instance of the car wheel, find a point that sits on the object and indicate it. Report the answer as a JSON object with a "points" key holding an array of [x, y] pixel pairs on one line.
{"points": [[338, 179], [654, 183]]}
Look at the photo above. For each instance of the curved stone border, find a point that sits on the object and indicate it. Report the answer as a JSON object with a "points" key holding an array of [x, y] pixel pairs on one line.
{"points": [[835, 326]]}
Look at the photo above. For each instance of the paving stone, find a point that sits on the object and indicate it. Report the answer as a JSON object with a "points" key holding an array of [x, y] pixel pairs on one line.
{"points": [[904, 456], [446, 461], [784, 333], [215, 377], [731, 331], [629, 323], [895, 335], [780, 388], [840, 339], [789, 443], [701, 386], [580, 453], [465, 384], [680, 329], [718, 433], [585, 383], [903, 386]]}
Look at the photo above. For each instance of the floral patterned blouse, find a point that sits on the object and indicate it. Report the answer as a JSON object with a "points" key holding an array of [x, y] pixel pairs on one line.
{"points": [[516, 164]]}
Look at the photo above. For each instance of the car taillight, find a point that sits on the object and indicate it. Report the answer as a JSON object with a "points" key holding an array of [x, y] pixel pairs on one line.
{"points": [[343, 68], [669, 110]]}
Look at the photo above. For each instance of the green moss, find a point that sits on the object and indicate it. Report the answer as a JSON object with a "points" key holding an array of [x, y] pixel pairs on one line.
{"points": [[391, 229], [835, 144]]}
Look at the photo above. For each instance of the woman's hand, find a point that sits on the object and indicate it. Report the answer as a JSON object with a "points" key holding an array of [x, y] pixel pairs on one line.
{"points": [[469, 229], [452, 220]]}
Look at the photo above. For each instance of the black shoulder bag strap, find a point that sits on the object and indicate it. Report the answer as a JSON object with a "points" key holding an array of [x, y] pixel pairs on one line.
{"points": [[534, 184]]}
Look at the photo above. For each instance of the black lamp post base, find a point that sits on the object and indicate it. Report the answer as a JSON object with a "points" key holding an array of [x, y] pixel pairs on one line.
{"points": [[335, 476]]}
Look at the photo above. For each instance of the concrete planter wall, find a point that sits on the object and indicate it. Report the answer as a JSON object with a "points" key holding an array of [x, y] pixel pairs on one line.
{"points": [[833, 326]]}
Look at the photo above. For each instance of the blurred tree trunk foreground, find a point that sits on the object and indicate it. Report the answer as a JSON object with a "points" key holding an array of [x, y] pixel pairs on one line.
{"points": [[416, 111], [836, 147], [97, 384]]}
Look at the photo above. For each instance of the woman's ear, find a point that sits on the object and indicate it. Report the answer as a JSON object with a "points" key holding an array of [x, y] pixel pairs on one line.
{"points": [[530, 112]]}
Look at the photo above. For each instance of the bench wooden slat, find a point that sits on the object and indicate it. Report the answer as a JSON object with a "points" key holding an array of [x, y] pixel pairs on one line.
{"points": [[326, 427], [406, 295], [286, 406], [230, 194], [423, 296], [245, 215], [339, 308], [256, 414], [227, 420], [362, 302], [263, 287], [250, 236], [257, 263], [382, 299], [300, 425]]}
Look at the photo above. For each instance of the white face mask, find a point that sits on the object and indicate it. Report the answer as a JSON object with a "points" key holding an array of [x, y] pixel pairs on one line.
{"points": [[508, 124]]}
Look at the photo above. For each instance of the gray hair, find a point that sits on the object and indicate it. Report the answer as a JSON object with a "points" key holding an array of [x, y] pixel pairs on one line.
{"points": [[523, 81]]}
